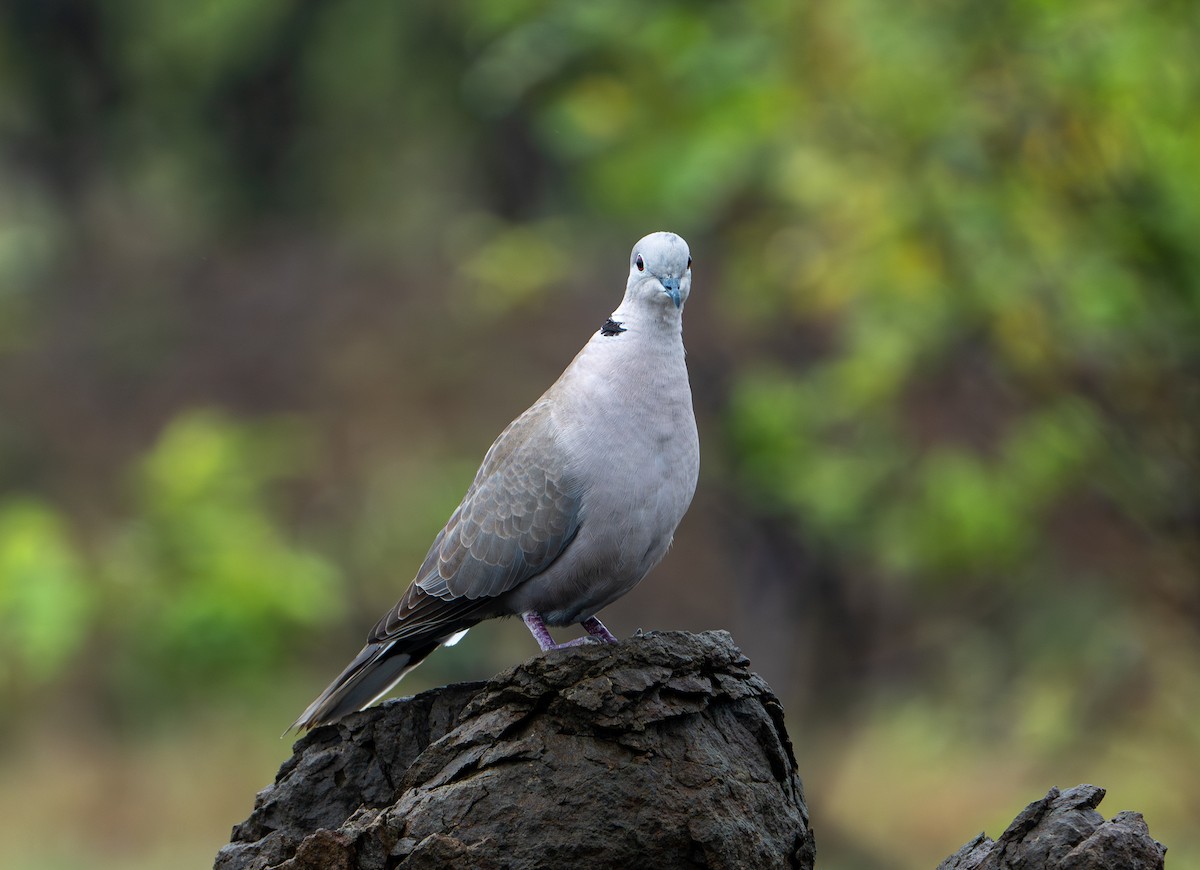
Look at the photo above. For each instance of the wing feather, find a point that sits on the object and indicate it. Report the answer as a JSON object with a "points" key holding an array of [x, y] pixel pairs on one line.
{"points": [[519, 514]]}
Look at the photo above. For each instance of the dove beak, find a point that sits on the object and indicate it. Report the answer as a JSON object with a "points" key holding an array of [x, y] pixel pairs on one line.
{"points": [[671, 288]]}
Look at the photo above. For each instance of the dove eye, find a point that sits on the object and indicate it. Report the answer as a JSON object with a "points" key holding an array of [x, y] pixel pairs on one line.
{"points": [[689, 262], [640, 263]]}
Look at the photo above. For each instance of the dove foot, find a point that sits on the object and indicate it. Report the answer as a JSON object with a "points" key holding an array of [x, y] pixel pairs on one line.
{"points": [[579, 641], [597, 633]]}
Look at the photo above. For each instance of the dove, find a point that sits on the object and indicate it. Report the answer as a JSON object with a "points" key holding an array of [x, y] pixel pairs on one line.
{"points": [[574, 504]]}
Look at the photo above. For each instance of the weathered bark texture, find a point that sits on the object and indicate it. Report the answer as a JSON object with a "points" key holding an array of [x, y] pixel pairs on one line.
{"points": [[1063, 831], [661, 751]]}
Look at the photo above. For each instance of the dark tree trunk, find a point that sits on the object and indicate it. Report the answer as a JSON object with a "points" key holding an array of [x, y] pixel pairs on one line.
{"points": [[661, 751]]}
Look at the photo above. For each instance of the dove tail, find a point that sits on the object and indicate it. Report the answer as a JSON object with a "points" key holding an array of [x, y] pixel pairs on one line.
{"points": [[374, 671]]}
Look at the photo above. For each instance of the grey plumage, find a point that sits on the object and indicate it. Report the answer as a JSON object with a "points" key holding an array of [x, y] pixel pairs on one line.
{"points": [[575, 502]]}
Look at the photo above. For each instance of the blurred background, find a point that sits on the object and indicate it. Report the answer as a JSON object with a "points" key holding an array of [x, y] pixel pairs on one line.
{"points": [[273, 275]]}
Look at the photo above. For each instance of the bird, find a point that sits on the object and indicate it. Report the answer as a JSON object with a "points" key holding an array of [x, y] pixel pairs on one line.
{"points": [[575, 502]]}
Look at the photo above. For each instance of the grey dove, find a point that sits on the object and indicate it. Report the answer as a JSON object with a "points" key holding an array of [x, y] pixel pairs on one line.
{"points": [[575, 502]]}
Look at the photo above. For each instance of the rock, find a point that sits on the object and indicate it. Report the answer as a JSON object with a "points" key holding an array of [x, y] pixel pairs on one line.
{"points": [[661, 751], [1063, 831]]}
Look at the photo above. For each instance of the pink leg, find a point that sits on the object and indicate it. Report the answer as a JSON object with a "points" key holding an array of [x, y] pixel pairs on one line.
{"points": [[595, 628], [537, 627]]}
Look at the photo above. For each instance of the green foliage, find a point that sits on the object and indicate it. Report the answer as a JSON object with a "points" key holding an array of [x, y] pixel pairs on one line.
{"points": [[200, 584], [988, 223], [211, 587], [45, 601], [514, 266]]}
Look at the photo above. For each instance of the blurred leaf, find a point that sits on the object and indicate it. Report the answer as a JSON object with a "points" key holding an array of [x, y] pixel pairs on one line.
{"points": [[516, 266], [211, 586], [45, 600]]}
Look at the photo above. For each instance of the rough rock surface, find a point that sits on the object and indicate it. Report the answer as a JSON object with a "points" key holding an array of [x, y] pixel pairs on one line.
{"points": [[661, 751], [1063, 831]]}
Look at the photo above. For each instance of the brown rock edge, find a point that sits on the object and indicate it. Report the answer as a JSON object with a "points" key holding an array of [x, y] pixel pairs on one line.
{"points": [[661, 751]]}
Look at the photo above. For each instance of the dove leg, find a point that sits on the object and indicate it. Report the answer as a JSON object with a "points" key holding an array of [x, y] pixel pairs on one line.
{"points": [[537, 627], [595, 628]]}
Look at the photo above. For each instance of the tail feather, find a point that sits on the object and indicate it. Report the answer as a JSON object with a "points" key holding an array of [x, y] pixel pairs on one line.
{"points": [[424, 623], [374, 671]]}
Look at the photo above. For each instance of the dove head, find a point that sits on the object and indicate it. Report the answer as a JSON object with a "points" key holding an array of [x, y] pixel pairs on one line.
{"points": [[660, 271]]}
